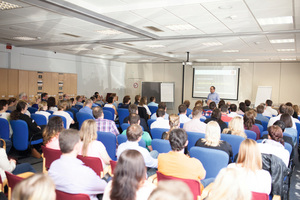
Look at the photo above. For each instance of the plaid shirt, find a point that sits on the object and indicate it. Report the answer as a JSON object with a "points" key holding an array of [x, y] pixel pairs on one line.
{"points": [[106, 125]]}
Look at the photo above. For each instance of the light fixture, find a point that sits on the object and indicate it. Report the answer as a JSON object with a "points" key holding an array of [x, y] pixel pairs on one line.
{"points": [[109, 32], [202, 60], [288, 59], [181, 27], [210, 44], [275, 20], [155, 45], [278, 41], [285, 49], [242, 59], [8, 6], [230, 51], [187, 62], [24, 38]]}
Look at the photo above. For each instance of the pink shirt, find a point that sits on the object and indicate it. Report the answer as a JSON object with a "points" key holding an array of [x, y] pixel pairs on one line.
{"points": [[53, 143], [95, 149]]}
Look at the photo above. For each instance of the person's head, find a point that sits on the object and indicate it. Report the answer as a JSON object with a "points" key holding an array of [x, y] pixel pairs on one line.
{"points": [[182, 109], [12, 101], [249, 155], [88, 103], [21, 106], [187, 103], [143, 101], [88, 133], [249, 119], [296, 109], [242, 106], [43, 106], [152, 99], [289, 110], [51, 102], [160, 112], [36, 187], [3, 105], [62, 105], [275, 133], [197, 112], [178, 139], [36, 99], [98, 112], [171, 190], [287, 120], [79, 98], [282, 109], [137, 98], [216, 114], [69, 141], [134, 118], [233, 107], [212, 105], [134, 133], [212, 134], [224, 109], [199, 103], [281, 124], [174, 121], [269, 102], [53, 128], [129, 175], [212, 89], [230, 184], [289, 104], [221, 103], [247, 102], [132, 108], [23, 96], [162, 105], [66, 97], [110, 99], [93, 99], [208, 102], [236, 126], [44, 96], [96, 94], [126, 99], [260, 109]]}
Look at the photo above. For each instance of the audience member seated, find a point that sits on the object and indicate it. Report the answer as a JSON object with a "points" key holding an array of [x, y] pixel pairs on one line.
{"points": [[230, 184], [207, 105], [221, 103], [44, 96], [182, 109], [256, 121], [247, 103], [188, 110], [52, 104], [282, 109], [163, 106], [236, 127], [143, 103], [213, 140], [133, 109], [36, 187], [152, 101], [12, 103], [233, 109], [23, 97], [104, 125], [297, 111], [52, 131], [291, 112], [250, 161], [198, 103], [160, 121], [109, 104], [126, 102], [174, 123], [69, 105], [224, 111], [87, 107], [275, 144], [249, 123], [259, 116], [129, 181], [66, 97], [137, 99], [43, 107], [212, 106], [195, 125], [287, 120], [134, 135], [62, 105], [99, 100], [135, 119], [216, 116], [269, 111], [91, 147], [176, 163], [115, 99], [79, 100], [4, 114], [94, 101], [242, 108], [69, 174], [35, 101]]}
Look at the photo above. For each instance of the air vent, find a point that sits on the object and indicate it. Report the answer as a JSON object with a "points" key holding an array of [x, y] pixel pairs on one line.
{"points": [[152, 28], [129, 44], [108, 47], [71, 35]]}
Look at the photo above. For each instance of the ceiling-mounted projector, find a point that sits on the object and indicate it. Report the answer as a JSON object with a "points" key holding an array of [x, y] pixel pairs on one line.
{"points": [[187, 62]]}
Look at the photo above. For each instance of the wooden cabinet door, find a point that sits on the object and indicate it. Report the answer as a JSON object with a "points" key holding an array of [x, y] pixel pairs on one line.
{"points": [[4, 82], [13, 83]]}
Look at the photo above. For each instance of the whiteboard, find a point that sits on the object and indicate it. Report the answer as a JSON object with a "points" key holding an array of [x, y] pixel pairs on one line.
{"points": [[167, 92], [263, 93]]}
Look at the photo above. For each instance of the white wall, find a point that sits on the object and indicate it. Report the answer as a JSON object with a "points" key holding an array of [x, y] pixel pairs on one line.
{"points": [[92, 74]]}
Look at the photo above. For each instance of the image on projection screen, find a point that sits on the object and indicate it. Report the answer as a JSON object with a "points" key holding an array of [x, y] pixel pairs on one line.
{"points": [[225, 80]]}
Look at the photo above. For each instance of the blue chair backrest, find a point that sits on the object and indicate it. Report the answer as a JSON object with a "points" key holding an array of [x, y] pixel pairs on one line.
{"points": [[78, 107], [8, 111], [32, 110], [264, 133], [213, 160], [50, 111], [81, 117], [202, 119], [188, 112], [160, 145], [63, 119], [250, 134], [20, 138], [265, 125], [181, 125], [111, 110], [108, 115], [119, 105], [288, 147], [157, 132], [110, 142], [298, 130], [39, 119], [153, 109], [261, 128], [227, 123], [123, 113], [234, 141], [124, 126], [193, 137], [123, 138], [70, 113], [75, 110], [150, 121], [4, 129]]}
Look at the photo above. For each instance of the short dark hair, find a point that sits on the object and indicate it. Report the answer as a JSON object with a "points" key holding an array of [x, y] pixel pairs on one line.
{"points": [[289, 104], [177, 138], [78, 97], [3, 103], [97, 112], [187, 103], [260, 109], [126, 99], [242, 106], [269, 102], [197, 110], [212, 105], [282, 108], [221, 103], [280, 124], [287, 119], [137, 98], [275, 133], [133, 118], [51, 102], [162, 105], [44, 94], [110, 99], [133, 132], [233, 108], [213, 87], [132, 108], [11, 100], [247, 102], [216, 113], [182, 108], [68, 138], [152, 98], [160, 112], [224, 108]]}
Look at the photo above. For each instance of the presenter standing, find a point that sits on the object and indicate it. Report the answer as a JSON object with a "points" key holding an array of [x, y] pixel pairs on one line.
{"points": [[213, 95]]}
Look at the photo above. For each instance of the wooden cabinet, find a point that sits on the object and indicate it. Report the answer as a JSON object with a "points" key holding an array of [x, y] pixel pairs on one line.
{"points": [[24, 82], [13, 83], [32, 83], [4, 86]]}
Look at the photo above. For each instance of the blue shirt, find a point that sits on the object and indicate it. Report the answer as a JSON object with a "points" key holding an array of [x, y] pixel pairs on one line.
{"points": [[260, 117], [153, 104], [87, 110], [214, 97], [153, 116]]}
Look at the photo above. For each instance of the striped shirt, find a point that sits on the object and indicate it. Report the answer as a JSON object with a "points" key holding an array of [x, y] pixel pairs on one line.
{"points": [[105, 125]]}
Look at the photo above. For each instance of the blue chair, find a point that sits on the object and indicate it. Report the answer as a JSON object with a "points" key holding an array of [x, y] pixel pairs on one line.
{"points": [[50, 111], [181, 125], [261, 128], [4, 130], [227, 123], [70, 113], [39, 119], [234, 141], [150, 121], [298, 130], [265, 125], [193, 137], [81, 117], [111, 110], [157, 132], [123, 138], [32, 110], [160, 145], [123, 113], [264, 133], [108, 115], [8, 111], [63, 119], [110, 142], [119, 105], [153, 109], [78, 107], [124, 126], [250, 134], [213, 160], [21, 134], [74, 109], [202, 119]]}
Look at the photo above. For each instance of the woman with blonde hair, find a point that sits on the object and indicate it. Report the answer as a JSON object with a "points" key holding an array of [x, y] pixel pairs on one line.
{"points": [[213, 140], [174, 122], [236, 127], [250, 160], [90, 145], [35, 101], [62, 105], [42, 110], [36, 187]]}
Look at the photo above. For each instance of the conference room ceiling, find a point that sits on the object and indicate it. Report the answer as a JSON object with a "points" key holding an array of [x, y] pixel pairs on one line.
{"points": [[157, 30]]}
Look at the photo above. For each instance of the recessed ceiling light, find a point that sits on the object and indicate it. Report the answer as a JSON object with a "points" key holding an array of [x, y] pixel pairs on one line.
{"points": [[24, 38], [288, 59], [232, 17], [285, 49], [210, 44], [275, 20], [181, 27], [230, 51], [201, 60], [243, 59], [109, 32], [282, 41], [225, 7], [8, 6], [155, 45]]}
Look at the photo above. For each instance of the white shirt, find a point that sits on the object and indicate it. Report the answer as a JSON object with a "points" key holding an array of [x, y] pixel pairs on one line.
{"points": [[160, 123], [147, 109], [274, 119], [183, 118], [233, 114], [6, 116], [269, 111], [195, 125], [46, 114], [66, 115], [5, 164]]}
